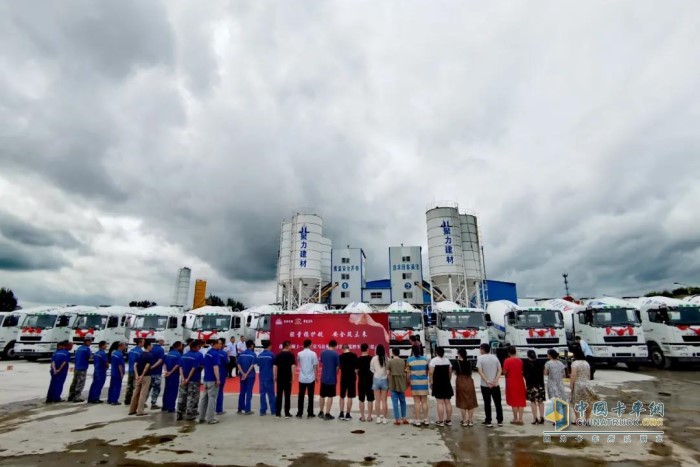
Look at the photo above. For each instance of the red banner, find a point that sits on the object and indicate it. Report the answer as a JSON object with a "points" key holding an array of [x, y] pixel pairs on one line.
{"points": [[353, 329]]}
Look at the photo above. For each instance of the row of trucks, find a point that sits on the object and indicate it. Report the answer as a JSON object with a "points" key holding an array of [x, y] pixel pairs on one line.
{"points": [[34, 333], [632, 331]]}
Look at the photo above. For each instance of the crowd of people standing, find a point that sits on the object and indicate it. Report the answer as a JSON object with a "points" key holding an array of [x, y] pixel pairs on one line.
{"points": [[192, 376]]}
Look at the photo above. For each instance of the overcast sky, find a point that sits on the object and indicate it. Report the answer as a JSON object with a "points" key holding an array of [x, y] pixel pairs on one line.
{"points": [[138, 136]]}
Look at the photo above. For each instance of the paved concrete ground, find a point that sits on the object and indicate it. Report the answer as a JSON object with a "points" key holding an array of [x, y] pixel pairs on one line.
{"points": [[61, 434]]}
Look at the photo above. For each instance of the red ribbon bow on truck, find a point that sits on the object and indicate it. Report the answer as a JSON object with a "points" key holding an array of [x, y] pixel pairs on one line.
{"points": [[629, 330], [84, 332], [400, 337], [686, 328], [205, 336], [542, 332], [144, 334], [31, 330], [464, 333]]}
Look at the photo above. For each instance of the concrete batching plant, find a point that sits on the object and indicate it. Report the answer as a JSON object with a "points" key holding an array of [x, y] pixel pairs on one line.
{"points": [[454, 255]]}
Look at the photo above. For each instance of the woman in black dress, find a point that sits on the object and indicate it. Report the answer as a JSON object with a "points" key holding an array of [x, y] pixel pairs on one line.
{"points": [[440, 376], [534, 381]]}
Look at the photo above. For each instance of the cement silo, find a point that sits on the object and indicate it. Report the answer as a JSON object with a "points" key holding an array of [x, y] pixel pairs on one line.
{"points": [[182, 287], [304, 259], [471, 251], [454, 255]]}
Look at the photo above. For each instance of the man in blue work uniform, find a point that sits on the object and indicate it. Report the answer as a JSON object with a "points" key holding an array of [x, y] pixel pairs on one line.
{"points": [[82, 362], [59, 371], [212, 381], [172, 377], [190, 374], [99, 376], [266, 363], [157, 371], [133, 356], [224, 364], [246, 371], [117, 374]]}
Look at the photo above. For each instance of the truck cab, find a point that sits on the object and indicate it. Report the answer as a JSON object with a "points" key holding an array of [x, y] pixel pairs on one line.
{"points": [[672, 330], [458, 327], [258, 321], [157, 322], [43, 328], [404, 321], [10, 323], [214, 322], [102, 324], [526, 328], [612, 329]]}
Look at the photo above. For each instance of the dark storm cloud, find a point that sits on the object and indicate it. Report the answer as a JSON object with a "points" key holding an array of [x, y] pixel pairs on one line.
{"points": [[14, 258], [22, 232], [64, 121]]}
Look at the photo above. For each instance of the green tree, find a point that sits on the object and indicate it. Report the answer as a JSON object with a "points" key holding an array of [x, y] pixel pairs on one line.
{"points": [[214, 300], [8, 301], [235, 304], [142, 303]]}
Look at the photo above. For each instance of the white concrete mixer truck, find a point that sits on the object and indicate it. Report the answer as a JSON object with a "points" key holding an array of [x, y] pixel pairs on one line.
{"points": [[672, 330], [526, 328]]}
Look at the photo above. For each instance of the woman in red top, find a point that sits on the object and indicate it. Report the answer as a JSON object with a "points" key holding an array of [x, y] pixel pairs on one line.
{"points": [[515, 386]]}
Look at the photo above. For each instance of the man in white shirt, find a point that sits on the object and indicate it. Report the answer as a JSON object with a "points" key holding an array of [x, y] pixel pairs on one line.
{"points": [[490, 371], [587, 352], [240, 346], [232, 352], [308, 365]]}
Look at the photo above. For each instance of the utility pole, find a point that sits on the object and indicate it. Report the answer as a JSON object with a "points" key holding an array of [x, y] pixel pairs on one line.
{"points": [[566, 283]]}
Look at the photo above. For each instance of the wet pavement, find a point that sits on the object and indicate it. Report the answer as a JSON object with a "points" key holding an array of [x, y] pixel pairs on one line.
{"points": [[32, 433]]}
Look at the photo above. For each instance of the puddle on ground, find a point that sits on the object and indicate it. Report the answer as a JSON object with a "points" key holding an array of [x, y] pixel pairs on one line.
{"points": [[98, 452], [315, 459]]}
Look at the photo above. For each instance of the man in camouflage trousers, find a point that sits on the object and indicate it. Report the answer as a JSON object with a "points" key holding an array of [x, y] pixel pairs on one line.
{"points": [[191, 376]]}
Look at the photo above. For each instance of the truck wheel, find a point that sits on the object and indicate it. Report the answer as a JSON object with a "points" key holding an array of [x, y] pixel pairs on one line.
{"points": [[633, 366], [31, 359], [9, 352], [657, 357], [612, 363]]}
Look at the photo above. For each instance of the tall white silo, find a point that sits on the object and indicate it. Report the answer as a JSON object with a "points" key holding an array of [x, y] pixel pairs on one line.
{"points": [[304, 259], [182, 287], [471, 249], [445, 257]]}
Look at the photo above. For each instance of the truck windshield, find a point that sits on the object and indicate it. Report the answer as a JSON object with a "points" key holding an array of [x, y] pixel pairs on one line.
{"points": [[90, 322], [408, 321], [212, 322], [40, 321], [462, 321], [539, 319], [156, 323], [615, 317], [262, 323], [11, 321], [684, 315]]}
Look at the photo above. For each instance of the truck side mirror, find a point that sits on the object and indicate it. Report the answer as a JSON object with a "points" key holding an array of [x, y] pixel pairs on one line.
{"points": [[638, 314], [63, 321], [487, 318], [184, 320], [582, 318], [172, 322]]}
